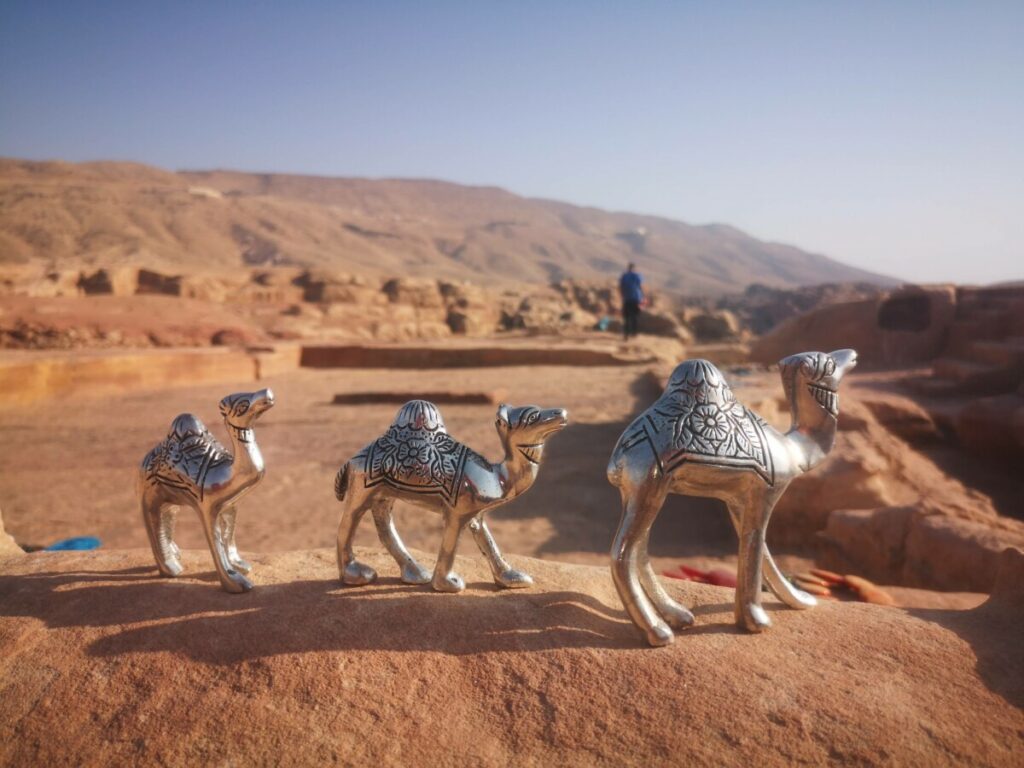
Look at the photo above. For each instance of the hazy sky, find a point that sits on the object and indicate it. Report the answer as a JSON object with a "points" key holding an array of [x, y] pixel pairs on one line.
{"points": [[889, 135]]}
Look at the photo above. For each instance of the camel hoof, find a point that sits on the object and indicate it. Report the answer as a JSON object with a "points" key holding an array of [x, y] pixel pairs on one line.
{"points": [[414, 573], [677, 617], [513, 579], [242, 566], [237, 584], [171, 567], [356, 574], [450, 583], [754, 619], [660, 635]]}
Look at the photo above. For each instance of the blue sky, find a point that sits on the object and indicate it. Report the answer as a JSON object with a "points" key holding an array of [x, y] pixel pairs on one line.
{"points": [[889, 135]]}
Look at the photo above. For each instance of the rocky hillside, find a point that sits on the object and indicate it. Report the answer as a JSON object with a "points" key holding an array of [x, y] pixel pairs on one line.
{"points": [[61, 215]]}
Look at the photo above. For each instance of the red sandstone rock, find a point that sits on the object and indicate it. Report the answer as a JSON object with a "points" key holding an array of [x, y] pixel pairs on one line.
{"points": [[986, 427], [713, 325], [870, 540], [918, 546], [902, 416], [944, 552], [663, 323], [907, 325], [107, 664], [8, 547]]}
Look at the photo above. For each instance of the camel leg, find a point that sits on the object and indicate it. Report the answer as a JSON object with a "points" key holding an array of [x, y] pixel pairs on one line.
{"points": [[445, 579], [677, 616], [783, 588], [412, 571], [151, 518], [168, 521], [351, 571], [752, 520], [640, 507], [780, 586], [230, 579], [504, 574], [154, 515], [227, 524]]}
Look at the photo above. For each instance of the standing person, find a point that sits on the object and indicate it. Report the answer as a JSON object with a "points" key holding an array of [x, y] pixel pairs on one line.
{"points": [[632, 293]]}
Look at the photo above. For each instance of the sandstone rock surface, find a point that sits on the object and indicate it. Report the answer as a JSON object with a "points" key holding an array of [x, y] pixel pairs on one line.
{"points": [[907, 325], [8, 546], [104, 663]]}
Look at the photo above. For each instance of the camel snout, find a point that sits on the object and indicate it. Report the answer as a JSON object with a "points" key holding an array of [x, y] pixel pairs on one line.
{"points": [[846, 361], [265, 400], [562, 415], [558, 418]]}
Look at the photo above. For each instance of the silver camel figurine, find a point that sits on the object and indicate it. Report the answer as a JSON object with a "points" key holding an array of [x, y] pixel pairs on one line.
{"points": [[697, 440], [416, 461], [191, 469]]}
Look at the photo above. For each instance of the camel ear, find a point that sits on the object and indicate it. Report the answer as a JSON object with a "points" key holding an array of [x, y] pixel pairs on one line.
{"points": [[501, 421]]}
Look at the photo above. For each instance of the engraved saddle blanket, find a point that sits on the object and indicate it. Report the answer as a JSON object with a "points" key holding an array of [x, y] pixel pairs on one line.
{"points": [[185, 456], [698, 419], [417, 454]]}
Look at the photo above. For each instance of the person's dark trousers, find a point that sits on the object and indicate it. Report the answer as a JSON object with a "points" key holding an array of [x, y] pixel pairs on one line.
{"points": [[630, 316]]}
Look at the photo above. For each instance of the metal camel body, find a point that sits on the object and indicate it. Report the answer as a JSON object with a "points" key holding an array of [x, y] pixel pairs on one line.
{"points": [[697, 440], [191, 469], [416, 461]]}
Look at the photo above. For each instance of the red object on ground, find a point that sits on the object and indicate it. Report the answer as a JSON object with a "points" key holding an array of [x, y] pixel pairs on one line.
{"points": [[720, 577]]}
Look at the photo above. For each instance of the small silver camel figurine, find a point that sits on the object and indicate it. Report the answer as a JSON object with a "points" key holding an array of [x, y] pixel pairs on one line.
{"points": [[697, 440], [416, 461], [191, 469]]}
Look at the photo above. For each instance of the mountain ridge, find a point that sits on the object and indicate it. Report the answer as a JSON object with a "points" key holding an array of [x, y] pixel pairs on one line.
{"points": [[110, 213]]}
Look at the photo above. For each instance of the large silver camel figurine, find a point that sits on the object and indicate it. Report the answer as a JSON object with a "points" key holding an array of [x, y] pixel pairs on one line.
{"points": [[191, 469], [697, 440], [416, 461]]}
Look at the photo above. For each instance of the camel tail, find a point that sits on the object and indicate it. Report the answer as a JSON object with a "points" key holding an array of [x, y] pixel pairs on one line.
{"points": [[341, 482]]}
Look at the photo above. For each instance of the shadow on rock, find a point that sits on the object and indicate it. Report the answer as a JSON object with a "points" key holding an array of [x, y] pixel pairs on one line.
{"points": [[208, 625], [995, 629]]}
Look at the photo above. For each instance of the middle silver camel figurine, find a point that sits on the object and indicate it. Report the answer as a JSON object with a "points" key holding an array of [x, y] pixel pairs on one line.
{"points": [[697, 440], [416, 461]]}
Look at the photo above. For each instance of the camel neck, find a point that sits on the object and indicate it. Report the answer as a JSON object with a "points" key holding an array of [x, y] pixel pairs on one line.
{"points": [[519, 469], [248, 459], [813, 429]]}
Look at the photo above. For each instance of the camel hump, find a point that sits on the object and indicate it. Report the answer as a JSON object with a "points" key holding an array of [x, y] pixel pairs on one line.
{"points": [[416, 454], [420, 415], [698, 420], [186, 456], [186, 425], [699, 379]]}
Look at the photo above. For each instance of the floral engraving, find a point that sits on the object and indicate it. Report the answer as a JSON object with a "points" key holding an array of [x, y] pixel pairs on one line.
{"points": [[185, 457], [417, 459], [699, 419]]}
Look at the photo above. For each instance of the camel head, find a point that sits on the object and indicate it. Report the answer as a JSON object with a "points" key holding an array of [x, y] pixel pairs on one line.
{"points": [[529, 425], [819, 373], [241, 409]]}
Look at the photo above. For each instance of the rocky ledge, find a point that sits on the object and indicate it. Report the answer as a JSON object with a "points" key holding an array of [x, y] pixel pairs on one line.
{"points": [[104, 663]]}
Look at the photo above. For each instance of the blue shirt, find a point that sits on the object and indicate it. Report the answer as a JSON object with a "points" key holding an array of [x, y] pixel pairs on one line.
{"points": [[629, 287]]}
